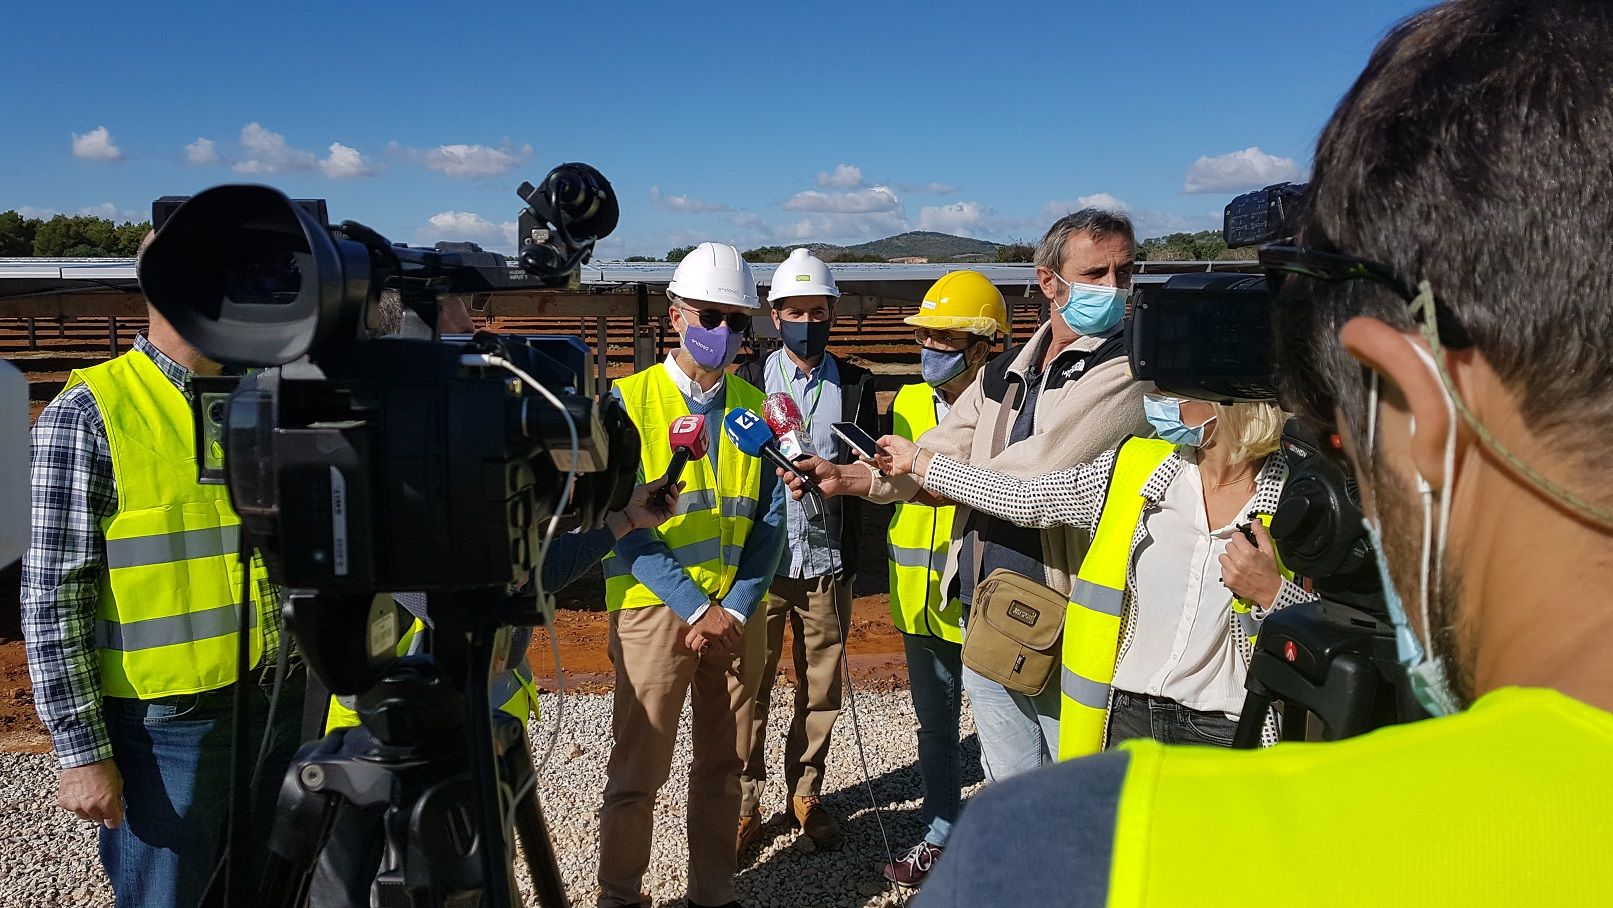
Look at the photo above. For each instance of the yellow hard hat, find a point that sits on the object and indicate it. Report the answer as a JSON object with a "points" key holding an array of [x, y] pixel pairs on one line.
{"points": [[963, 301]]}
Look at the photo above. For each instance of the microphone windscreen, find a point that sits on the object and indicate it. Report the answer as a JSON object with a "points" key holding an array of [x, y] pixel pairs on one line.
{"points": [[747, 431], [689, 432], [781, 413]]}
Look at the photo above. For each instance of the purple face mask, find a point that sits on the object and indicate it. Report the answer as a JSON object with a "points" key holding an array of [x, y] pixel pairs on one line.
{"points": [[712, 348]]}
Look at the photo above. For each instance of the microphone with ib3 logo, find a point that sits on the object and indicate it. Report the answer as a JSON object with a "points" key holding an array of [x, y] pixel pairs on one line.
{"points": [[687, 438]]}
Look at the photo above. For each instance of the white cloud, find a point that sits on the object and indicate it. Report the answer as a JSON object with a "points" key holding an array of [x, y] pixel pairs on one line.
{"points": [[682, 203], [115, 214], [466, 226], [96, 145], [927, 188], [1238, 171], [267, 152], [858, 201], [1102, 200], [844, 176], [959, 218], [838, 227], [463, 161], [344, 163], [201, 153]]}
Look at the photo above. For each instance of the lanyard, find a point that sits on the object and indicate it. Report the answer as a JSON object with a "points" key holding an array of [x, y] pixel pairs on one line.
{"points": [[806, 418]]}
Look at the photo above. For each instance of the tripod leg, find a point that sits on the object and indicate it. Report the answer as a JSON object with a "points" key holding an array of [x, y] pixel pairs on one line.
{"points": [[534, 829], [1255, 705]]}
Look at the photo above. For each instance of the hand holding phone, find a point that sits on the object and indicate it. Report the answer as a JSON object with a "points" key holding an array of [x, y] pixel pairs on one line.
{"points": [[860, 441]]}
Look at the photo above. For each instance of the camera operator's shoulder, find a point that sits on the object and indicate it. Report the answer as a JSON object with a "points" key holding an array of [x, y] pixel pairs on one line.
{"points": [[1042, 838]]}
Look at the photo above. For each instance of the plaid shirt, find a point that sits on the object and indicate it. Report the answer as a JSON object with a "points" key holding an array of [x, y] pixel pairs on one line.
{"points": [[73, 492]]}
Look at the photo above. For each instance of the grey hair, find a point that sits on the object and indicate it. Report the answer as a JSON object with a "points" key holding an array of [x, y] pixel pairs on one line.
{"points": [[1098, 222]]}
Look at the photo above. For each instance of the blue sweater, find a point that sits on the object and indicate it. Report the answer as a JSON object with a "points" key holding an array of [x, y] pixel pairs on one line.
{"points": [[652, 562]]}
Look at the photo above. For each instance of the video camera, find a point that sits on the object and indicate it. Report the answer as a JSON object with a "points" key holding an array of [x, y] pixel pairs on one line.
{"points": [[364, 465], [1209, 336]]}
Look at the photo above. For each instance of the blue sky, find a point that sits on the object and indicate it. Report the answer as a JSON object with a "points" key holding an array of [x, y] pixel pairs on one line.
{"points": [[747, 123]]}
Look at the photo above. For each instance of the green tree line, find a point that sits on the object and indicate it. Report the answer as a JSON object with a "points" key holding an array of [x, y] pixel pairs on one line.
{"points": [[69, 236], [1204, 246]]}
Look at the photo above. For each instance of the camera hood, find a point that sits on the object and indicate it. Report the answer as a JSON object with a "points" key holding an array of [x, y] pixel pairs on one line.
{"points": [[251, 278]]}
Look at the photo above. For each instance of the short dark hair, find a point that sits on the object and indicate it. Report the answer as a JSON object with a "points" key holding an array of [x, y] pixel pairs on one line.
{"points": [[1472, 153], [1097, 222]]}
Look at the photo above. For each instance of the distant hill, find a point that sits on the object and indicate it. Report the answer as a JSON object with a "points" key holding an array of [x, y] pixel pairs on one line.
{"points": [[937, 247]]}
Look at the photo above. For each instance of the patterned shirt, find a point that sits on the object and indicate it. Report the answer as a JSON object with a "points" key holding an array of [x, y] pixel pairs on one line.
{"points": [[73, 491]]}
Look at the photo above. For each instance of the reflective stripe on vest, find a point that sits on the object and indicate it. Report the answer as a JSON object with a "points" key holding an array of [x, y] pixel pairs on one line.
{"points": [[166, 618], [513, 691], [715, 513], [918, 539], [1097, 598]]}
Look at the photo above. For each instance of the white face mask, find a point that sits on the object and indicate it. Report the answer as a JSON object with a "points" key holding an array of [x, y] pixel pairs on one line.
{"points": [[1426, 672]]}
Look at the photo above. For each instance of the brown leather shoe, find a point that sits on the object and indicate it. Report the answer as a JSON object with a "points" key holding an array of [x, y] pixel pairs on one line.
{"points": [[750, 825], [808, 813]]}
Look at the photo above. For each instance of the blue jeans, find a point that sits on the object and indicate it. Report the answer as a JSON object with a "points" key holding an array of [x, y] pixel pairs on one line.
{"points": [[174, 754], [935, 679], [1018, 733]]}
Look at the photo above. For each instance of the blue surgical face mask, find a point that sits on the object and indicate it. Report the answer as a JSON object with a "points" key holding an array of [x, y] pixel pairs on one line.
{"points": [[1091, 309], [1165, 415], [712, 348], [1425, 672], [941, 366]]}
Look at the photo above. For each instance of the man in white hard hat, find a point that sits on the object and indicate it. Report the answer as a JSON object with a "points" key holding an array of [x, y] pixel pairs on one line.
{"points": [[812, 590], [680, 596]]}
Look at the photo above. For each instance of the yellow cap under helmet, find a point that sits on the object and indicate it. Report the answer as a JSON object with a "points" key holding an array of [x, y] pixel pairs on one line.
{"points": [[963, 301]]}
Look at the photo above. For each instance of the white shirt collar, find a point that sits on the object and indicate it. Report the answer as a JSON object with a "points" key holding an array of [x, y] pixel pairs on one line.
{"points": [[688, 386]]}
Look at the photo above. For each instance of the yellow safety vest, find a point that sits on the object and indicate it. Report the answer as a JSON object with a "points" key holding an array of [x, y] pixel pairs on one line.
{"points": [[715, 512], [1508, 803], [513, 691], [166, 618], [1092, 619], [918, 540]]}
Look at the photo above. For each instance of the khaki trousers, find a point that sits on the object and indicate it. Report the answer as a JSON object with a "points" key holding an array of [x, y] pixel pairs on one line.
{"points": [[818, 610], [654, 671]]}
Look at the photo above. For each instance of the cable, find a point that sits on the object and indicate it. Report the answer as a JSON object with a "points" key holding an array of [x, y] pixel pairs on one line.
{"points": [[493, 359], [851, 698]]}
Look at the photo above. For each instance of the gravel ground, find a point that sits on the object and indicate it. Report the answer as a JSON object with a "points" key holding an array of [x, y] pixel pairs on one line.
{"points": [[47, 857]]}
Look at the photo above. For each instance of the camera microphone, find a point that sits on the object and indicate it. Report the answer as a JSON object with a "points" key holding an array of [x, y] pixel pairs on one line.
{"points": [[687, 438], [784, 418], [752, 436]]}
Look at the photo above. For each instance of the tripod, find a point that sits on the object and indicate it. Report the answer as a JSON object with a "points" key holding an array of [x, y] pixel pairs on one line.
{"points": [[1328, 660], [431, 764]]}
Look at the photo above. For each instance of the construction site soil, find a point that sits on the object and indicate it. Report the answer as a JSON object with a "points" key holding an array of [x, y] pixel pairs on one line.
{"points": [[49, 351]]}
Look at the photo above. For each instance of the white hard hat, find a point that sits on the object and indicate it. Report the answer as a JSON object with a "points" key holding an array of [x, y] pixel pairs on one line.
{"points": [[714, 273], [802, 274]]}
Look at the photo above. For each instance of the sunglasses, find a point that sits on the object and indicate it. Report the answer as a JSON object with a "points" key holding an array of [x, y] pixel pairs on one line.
{"points": [[1281, 263], [711, 318]]}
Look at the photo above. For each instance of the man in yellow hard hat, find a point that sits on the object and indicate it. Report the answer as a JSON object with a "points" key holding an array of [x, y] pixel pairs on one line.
{"points": [[962, 319]]}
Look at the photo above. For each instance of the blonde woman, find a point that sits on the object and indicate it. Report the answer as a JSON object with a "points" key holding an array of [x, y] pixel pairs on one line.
{"points": [[1180, 573]]}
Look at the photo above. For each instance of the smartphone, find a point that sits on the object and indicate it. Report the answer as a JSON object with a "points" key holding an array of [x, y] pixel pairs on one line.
{"points": [[860, 441]]}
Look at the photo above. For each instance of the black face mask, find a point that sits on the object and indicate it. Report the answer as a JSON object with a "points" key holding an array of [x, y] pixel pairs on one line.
{"points": [[805, 339]]}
